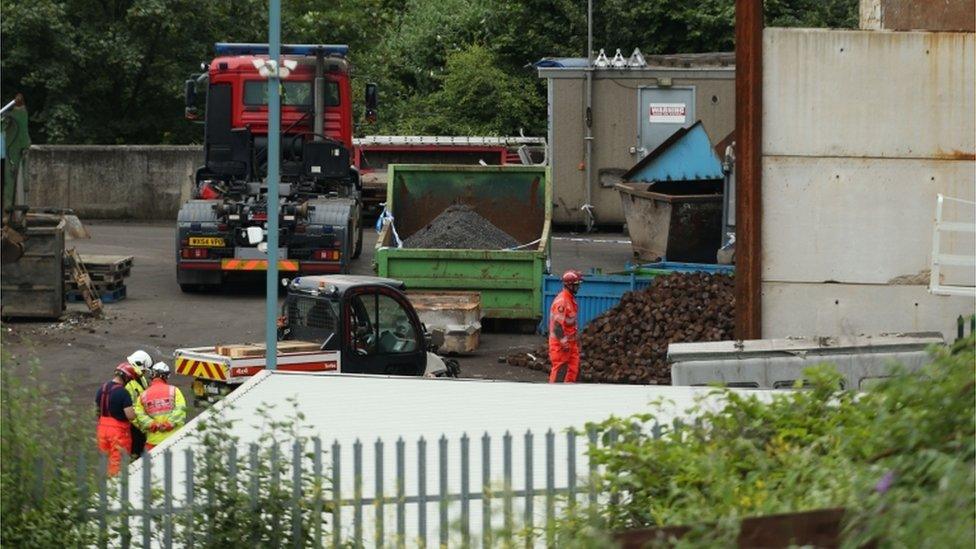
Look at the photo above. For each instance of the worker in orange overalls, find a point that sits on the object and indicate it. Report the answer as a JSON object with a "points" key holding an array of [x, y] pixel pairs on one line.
{"points": [[115, 414], [564, 353], [161, 409]]}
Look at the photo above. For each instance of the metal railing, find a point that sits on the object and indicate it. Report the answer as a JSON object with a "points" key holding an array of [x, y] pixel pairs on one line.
{"points": [[940, 259], [435, 500]]}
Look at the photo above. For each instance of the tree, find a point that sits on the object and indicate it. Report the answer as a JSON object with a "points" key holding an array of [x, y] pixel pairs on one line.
{"points": [[112, 72], [476, 97]]}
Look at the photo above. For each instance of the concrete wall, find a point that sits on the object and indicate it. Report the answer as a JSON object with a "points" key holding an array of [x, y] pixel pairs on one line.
{"points": [[861, 131], [112, 181], [615, 128]]}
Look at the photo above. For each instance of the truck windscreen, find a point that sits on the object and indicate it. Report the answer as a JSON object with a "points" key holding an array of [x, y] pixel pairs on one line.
{"points": [[312, 318], [294, 93]]}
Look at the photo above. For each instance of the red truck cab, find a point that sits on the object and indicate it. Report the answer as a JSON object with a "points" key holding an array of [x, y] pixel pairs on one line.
{"points": [[320, 190]]}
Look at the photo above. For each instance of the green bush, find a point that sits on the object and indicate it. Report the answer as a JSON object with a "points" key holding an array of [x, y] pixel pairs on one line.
{"points": [[899, 458], [42, 491], [51, 472]]}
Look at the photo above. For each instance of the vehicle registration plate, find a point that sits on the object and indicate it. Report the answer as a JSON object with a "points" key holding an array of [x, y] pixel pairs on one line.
{"points": [[198, 388], [206, 241]]}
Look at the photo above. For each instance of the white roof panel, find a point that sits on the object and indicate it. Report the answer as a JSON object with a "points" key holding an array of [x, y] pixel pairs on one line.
{"points": [[348, 408]]}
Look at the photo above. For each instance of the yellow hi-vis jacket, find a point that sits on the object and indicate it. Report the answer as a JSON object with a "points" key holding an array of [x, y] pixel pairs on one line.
{"points": [[136, 386], [158, 405]]}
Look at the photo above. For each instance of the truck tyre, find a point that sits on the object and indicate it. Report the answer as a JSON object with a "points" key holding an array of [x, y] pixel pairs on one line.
{"points": [[350, 245], [359, 242]]}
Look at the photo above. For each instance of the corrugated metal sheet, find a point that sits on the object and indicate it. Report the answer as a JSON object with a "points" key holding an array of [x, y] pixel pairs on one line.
{"points": [[869, 93], [348, 408], [597, 294]]}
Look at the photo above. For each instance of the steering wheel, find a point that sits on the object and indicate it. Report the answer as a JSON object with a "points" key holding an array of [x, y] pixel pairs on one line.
{"points": [[363, 340]]}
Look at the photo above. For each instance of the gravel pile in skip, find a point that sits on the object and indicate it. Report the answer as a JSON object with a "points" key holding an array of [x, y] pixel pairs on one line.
{"points": [[460, 228], [629, 343]]}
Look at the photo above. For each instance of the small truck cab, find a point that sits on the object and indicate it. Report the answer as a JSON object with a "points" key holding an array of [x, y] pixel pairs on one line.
{"points": [[329, 324]]}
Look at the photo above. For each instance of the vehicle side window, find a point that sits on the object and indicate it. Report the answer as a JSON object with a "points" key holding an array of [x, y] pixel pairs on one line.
{"points": [[396, 333], [310, 319], [380, 325], [362, 323]]}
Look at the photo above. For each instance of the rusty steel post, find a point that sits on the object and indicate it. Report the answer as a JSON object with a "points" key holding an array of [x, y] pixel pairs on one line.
{"points": [[748, 168]]}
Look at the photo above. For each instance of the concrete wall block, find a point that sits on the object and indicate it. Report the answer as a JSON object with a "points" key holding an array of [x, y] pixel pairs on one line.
{"points": [[48, 174], [869, 93], [113, 182], [797, 309], [107, 184], [853, 219], [862, 129]]}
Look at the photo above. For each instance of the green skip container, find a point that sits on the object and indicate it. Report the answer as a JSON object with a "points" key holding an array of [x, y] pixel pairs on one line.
{"points": [[516, 199]]}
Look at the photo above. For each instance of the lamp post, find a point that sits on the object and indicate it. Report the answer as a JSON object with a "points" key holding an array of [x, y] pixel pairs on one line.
{"points": [[274, 142]]}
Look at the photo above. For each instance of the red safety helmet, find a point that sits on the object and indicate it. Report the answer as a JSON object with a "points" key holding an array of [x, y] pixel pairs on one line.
{"points": [[572, 277], [126, 370]]}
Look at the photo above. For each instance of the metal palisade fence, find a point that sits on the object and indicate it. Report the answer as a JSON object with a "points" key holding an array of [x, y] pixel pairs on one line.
{"points": [[462, 492]]}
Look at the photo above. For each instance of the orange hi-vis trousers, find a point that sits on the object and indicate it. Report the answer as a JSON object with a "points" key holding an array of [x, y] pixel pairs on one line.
{"points": [[564, 360], [113, 437]]}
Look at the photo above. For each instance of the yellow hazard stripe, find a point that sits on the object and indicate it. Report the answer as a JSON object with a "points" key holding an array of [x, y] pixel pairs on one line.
{"points": [[201, 368], [256, 265]]}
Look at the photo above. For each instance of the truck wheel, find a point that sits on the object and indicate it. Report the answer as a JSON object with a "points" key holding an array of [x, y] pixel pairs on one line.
{"points": [[359, 242], [350, 244]]}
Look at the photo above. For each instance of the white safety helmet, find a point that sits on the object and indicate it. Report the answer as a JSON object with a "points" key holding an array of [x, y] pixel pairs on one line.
{"points": [[160, 369], [140, 359]]}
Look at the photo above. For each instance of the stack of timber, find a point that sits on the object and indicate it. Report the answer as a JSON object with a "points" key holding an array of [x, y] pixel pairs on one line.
{"points": [[257, 350], [107, 273]]}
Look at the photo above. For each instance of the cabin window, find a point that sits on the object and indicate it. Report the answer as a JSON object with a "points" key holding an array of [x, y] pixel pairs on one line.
{"points": [[293, 93]]}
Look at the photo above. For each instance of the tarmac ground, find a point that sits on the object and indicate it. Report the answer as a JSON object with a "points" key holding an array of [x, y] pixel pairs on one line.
{"points": [[78, 352]]}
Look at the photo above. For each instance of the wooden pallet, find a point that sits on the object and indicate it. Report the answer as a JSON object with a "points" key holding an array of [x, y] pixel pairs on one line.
{"points": [[257, 351], [107, 263], [108, 296], [100, 287], [86, 292], [104, 276]]}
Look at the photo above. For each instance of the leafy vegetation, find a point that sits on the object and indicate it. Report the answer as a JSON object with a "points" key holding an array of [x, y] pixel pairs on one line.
{"points": [[899, 458], [50, 478], [112, 72], [41, 492]]}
